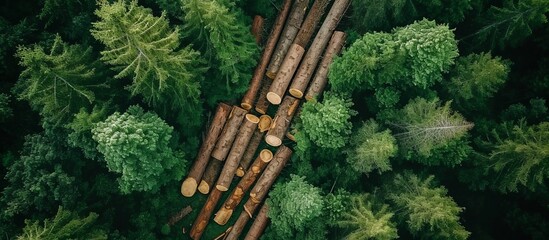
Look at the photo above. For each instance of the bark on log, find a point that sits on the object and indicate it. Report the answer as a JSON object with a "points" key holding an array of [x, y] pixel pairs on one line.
{"points": [[321, 76], [210, 176], [257, 28], [282, 121], [289, 33], [263, 125], [240, 144], [226, 210], [311, 22], [312, 57], [229, 133], [259, 71], [188, 188], [285, 74], [262, 103], [259, 225], [179, 215], [260, 190], [205, 213]]}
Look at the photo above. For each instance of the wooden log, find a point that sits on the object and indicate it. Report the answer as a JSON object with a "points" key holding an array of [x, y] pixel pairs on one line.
{"points": [[226, 210], [289, 33], [259, 225], [259, 71], [321, 76], [240, 144], [260, 190], [312, 57], [263, 125], [188, 188], [285, 74], [210, 176], [311, 22], [205, 213], [179, 215], [282, 120], [229, 133], [223, 235], [262, 103], [257, 28]]}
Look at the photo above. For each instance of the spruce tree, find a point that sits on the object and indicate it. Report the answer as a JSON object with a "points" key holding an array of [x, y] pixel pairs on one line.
{"points": [[367, 220]]}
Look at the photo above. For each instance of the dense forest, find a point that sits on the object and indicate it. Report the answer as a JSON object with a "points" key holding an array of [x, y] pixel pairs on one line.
{"points": [[433, 122]]}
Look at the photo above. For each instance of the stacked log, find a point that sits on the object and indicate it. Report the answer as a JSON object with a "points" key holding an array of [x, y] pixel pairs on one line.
{"points": [[257, 28], [205, 213], [259, 225], [282, 120], [188, 188], [263, 125]]}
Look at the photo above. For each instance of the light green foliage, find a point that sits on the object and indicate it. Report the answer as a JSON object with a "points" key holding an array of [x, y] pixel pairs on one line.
{"points": [[327, 123], [371, 148], [450, 153], [519, 157], [413, 57], [227, 43], [475, 79], [509, 24], [81, 135], [426, 208], [368, 221], [65, 225], [293, 206], [5, 110], [336, 205], [425, 124], [145, 48], [136, 145], [59, 81]]}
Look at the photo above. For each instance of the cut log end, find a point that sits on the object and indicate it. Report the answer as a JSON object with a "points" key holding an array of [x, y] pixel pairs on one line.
{"points": [[240, 172], [188, 188], [296, 93], [252, 118], [271, 75], [223, 216], [246, 106], [266, 155], [273, 140], [204, 187], [264, 123], [221, 188], [290, 136], [274, 98], [260, 110]]}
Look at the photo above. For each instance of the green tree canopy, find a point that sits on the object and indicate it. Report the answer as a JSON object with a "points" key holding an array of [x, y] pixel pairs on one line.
{"points": [[5, 110], [368, 221], [136, 144]]}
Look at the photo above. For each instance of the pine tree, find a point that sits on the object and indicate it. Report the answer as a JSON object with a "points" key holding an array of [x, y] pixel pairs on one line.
{"points": [[59, 81], [425, 208], [368, 221], [146, 49]]}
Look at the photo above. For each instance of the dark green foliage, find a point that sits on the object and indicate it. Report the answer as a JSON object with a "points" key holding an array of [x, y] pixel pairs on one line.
{"points": [[81, 130], [371, 148], [5, 110], [293, 206], [336, 205], [536, 112], [10, 37], [226, 42], [136, 144], [368, 221], [509, 24], [425, 208], [450, 153], [146, 49], [173, 8], [58, 81], [65, 225]]}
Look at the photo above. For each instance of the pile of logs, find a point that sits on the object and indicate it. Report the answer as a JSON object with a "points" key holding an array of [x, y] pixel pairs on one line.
{"points": [[235, 134]]}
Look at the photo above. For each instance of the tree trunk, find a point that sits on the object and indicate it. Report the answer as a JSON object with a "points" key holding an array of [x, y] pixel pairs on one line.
{"points": [[288, 35], [259, 72], [257, 28], [282, 120], [205, 213], [180, 215], [260, 190], [259, 225], [188, 188], [284, 76], [229, 133], [312, 57], [210, 176], [262, 104], [311, 22], [321, 76], [262, 127], [226, 210], [240, 144]]}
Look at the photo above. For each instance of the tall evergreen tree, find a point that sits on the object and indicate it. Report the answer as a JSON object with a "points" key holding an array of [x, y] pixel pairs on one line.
{"points": [[368, 221]]}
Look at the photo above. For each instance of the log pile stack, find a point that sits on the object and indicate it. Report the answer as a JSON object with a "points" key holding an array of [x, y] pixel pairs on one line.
{"points": [[289, 60]]}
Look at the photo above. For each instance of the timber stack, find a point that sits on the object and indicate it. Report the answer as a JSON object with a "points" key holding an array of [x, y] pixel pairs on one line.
{"points": [[291, 68]]}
